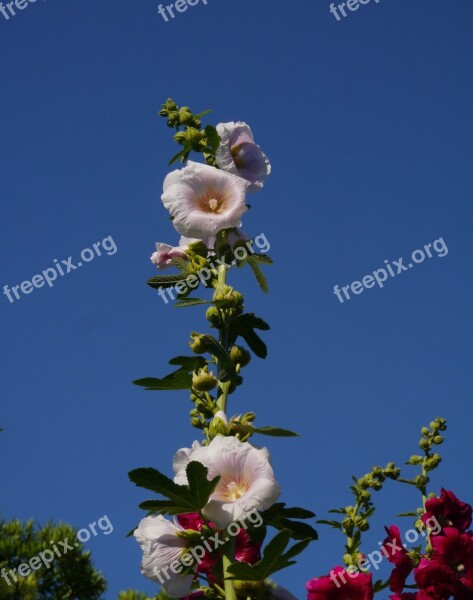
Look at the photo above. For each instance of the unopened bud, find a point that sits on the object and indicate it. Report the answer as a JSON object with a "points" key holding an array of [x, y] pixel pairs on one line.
{"points": [[203, 380], [240, 356]]}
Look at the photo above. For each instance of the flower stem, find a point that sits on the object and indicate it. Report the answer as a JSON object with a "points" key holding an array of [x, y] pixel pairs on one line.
{"points": [[222, 400], [230, 593]]}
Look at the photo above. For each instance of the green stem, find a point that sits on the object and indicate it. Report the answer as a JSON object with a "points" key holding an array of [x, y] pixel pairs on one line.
{"points": [[230, 593], [222, 400]]}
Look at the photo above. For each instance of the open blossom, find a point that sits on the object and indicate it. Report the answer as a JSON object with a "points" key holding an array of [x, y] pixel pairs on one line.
{"points": [[449, 511], [204, 200], [162, 546], [341, 585], [238, 154], [399, 557], [246, 483]]}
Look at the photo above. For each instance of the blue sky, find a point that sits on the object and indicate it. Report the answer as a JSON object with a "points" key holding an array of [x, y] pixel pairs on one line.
{"points": [[367, 123]]}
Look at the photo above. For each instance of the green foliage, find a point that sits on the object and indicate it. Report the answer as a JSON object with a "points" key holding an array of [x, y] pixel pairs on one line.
{"points": [[275, 558], [280, 517], [70, 576], [180, 498]]}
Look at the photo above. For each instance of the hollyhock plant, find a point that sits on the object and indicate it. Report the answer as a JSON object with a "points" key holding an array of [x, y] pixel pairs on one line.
{"points": [[449, 511], [246, 478], [230, 534], [398, 556], [203, 200], [238, 154]]}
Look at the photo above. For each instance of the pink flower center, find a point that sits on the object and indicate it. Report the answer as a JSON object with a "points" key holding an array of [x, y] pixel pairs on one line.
{"points": [[235, 490]]}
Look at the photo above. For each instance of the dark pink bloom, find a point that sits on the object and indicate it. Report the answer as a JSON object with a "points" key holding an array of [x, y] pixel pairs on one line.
{"points": [[340, 585], [449, 511], [398, 556], [435, 580], [246, 550], [454, 551]]}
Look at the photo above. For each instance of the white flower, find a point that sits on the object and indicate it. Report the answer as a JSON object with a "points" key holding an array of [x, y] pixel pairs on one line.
{"points": [[161, 547], [204, 200], [238, 154], [247, 480]]}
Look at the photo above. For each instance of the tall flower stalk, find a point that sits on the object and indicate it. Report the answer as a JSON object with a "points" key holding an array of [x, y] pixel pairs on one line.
{"points": [[222, 479]]}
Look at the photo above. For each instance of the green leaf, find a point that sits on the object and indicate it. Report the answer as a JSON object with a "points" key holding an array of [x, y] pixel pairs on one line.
{"points": [[263, 258], [334, 524], [189, 363], [166, 281], [272, 431], [245, 327], [258, 273], [299, 530], [176, 157], [269, 564], [200, 487], [190, 302], [212, 137], [203, 114], [276, 431], [182, 498], [279, 517], [216, 348], [279, 510], [178, 380], [407, 514]]}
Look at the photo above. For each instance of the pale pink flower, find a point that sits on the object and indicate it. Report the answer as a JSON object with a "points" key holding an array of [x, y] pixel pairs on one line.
{"points": [[161, 547], [238, 154], [247, 480], [204, 200]]}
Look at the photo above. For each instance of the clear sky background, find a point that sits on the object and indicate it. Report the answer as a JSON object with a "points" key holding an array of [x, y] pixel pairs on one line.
{"points": [[368, 125]]}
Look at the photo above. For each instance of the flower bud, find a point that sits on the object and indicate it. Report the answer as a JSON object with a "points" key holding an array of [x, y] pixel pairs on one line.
{"points": [[203, 380], [193, 137], [425, 430], [199, 343], [185, 116], [240, 356], [218, 426], [180, 137], [213, 316], [228, 297], [248, 589], [173, 119], [438, 439], [424, 444]]}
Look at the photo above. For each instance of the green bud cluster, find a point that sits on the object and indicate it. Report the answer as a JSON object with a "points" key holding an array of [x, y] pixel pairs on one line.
{"points": [[179, 116], [355, 519]]}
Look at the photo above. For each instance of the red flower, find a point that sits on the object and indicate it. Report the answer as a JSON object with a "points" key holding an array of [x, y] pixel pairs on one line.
{"points": [[340, 585], [246, 550], [449, 511], [404, 597], [399, 557], [435, 580], [455, 552]]}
